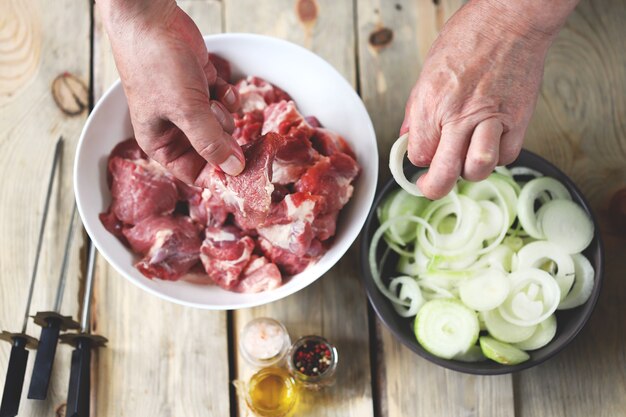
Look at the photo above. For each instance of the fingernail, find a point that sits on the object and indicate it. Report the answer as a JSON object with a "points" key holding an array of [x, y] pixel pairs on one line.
{"points": [[229, 97], [219, 113], [232, 165]]}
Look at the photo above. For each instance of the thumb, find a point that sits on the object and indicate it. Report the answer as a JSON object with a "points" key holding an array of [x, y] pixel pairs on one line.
{"points": [[208, 138]]}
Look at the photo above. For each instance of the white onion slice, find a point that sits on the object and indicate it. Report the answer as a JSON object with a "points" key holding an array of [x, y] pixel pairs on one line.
{"points": [[529, 194], [485, 291], [534, 285], [396, 165], [567, 224], [583, 284], [535, 254], [409, 291]]}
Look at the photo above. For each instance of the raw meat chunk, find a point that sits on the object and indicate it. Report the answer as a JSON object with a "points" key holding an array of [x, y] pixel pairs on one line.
{"points": [[113, 225], [170, 246], [283, 118], [312, 120], [204, 208], [330, 177], [129, 149], [225, 253], [248, 127], [140, 188], [260, 275], [249, 195], [288, 262], [324, 226], [255, 94], [293, 158], [328, 143]]}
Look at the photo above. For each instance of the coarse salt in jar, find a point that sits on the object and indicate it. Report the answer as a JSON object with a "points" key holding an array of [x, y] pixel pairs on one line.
{"points": [[264, 342]]}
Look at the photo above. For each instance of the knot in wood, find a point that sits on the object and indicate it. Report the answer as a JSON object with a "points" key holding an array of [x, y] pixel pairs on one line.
{"points": [[70, 94], [381, 37], [307, 11]]}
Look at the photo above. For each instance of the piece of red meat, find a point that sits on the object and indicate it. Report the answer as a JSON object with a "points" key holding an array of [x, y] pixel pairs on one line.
{"points": [[225, 253], [283, 118], [259, 275], [288, 262], [128, 149], [248, 126], [140, 188], [324, 225], [221, 65], [249, 195], [255, 94], [313, 121], [293, 158], [289, 225], [170, 246], [331, 177], [328, 143], [204, 208], [113, 225]]}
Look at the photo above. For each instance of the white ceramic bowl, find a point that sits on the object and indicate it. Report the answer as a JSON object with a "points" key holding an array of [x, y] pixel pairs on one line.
{"points": [[317, 88]]}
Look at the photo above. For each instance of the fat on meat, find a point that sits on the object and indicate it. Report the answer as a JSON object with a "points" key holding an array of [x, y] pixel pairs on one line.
{"points": [[225, 253], [284, 118], [256, 94], [259, 275], [170, 246]]}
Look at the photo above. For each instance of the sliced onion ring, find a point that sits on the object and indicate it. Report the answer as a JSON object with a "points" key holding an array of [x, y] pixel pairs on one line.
{"points": [[396, 165]]}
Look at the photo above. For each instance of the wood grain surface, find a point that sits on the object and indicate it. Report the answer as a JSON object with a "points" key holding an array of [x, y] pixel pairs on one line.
{"points": [[166, 360], [36, 49], [162, 359]]}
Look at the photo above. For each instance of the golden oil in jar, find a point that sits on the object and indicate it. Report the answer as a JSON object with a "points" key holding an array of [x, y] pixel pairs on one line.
{"points": [[272, 392]]}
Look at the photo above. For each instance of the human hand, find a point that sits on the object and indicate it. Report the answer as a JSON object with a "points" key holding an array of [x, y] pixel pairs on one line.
{"points": [[477, 90], [166, 74]]}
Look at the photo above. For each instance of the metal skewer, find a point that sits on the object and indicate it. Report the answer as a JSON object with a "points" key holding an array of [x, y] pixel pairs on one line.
{"points": [[80, 375], [52, 323], [19, 355]]}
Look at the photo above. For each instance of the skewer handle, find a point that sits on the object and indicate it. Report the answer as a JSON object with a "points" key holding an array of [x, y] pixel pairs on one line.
{"points": [[15, 378], [42, 369], [79, 391]]}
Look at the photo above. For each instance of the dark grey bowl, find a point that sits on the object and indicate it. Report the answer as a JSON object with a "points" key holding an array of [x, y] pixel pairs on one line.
{"points": [[569, 322]]}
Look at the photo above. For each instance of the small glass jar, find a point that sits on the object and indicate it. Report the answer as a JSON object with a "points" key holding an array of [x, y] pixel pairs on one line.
{"points": [[312, 360], [264, 342], [272, 392]]}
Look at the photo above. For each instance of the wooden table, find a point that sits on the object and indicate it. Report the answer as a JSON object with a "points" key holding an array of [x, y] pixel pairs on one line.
{"points": [[167, 360]]}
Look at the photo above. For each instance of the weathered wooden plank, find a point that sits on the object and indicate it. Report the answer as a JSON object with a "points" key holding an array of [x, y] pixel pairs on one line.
{"points": [[580, 125], [36, 48], [335, 305], [394, 38], [163, 359]]}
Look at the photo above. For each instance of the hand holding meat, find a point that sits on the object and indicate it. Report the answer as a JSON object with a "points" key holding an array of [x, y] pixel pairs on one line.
{"points": [[179, 102], [473, 101]]}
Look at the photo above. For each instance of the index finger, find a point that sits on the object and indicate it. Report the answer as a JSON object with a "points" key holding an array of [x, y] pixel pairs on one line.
{"points": [[447, 164]]}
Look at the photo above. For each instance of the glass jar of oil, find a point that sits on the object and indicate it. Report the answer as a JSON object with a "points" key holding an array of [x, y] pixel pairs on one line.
{"points": [[272, 392]]}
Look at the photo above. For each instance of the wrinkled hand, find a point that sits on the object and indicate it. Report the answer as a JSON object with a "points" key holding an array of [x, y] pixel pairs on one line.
{"points": [[476, 93], [166, 74]]}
